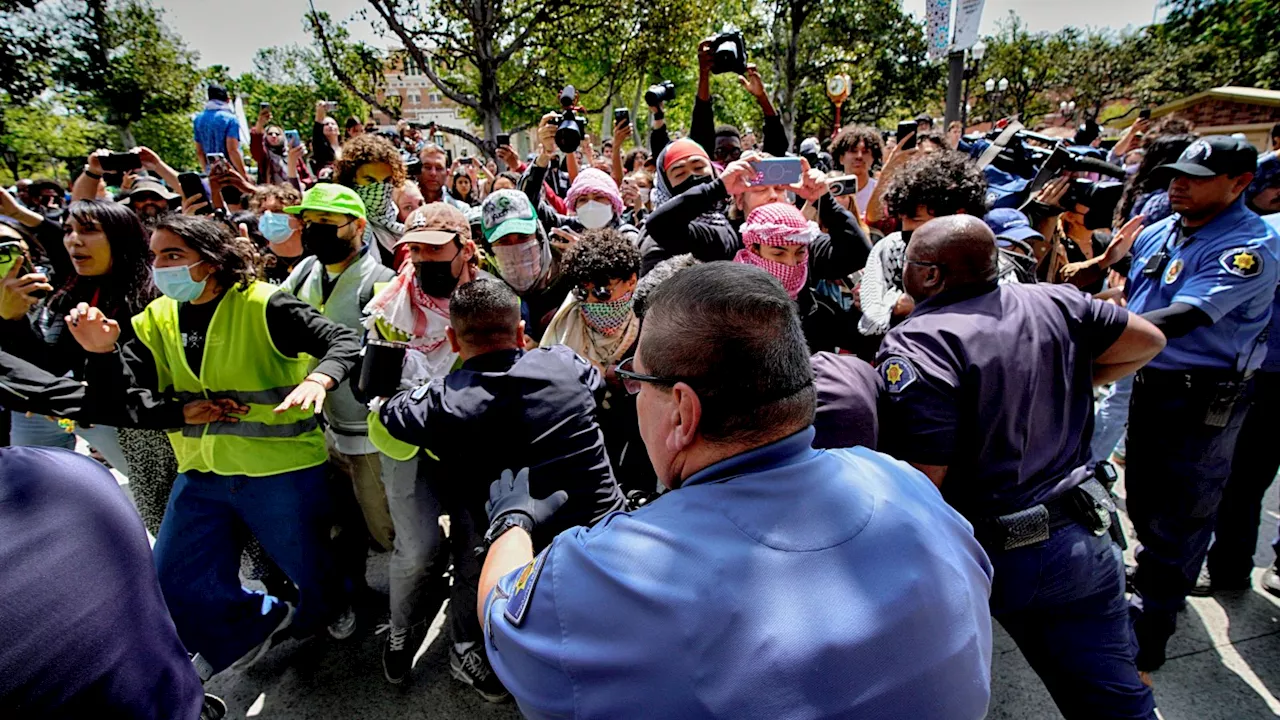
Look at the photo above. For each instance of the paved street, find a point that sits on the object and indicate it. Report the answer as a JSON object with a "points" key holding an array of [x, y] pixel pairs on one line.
{"points": [[1224, 664]]}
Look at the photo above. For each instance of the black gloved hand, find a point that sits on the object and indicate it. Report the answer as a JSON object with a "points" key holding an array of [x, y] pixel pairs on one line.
{"points": [[510, 494]]}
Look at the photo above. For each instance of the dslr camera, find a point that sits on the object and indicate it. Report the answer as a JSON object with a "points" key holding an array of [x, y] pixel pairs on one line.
{"points": [[729, 53], [569, 124], [664, 91]]}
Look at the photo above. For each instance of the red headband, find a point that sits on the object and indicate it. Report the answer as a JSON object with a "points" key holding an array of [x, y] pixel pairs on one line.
{"points": [[681, 149]]}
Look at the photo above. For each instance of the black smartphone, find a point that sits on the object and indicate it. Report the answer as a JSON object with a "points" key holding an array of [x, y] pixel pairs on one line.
{"points": [[193, 186], [905, 128], [504, 139], [264, 106], [621, 115], [120, 162], [464, 161], [1144, 114]]}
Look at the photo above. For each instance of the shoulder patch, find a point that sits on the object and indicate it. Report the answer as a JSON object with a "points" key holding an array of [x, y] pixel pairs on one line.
{"points": [[898, 373], [522, 591], [1242, 262]]}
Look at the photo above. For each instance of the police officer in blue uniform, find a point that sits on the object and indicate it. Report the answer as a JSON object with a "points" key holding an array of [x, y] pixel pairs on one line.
{"points": [[1206, 276], [987, 389], [773, 581]]}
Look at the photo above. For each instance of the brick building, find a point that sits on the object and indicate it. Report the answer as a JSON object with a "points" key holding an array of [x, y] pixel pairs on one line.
{"points": [[422, 102], [1227, 110]]}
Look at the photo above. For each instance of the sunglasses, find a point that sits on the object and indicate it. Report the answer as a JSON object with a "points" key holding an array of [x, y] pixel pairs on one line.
{"points": [[632, 381]]}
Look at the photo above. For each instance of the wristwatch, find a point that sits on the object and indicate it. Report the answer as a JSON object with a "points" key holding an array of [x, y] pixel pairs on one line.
{"points": [[505, 523], [91, 173]]}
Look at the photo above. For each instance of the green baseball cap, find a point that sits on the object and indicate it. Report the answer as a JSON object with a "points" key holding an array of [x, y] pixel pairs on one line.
{"points": [[507, 212], [330, 197]]}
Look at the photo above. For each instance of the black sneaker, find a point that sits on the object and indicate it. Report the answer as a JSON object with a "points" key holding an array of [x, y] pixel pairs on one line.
{"points": [[397, 654], [472, 668]]}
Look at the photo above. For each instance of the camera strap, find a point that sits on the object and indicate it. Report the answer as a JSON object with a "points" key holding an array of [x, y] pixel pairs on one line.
{"points": [[999, 144]]}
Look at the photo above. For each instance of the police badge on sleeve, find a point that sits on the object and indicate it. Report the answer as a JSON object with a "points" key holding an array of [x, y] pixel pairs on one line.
{"points": [[1242, 262], [898, 373]]}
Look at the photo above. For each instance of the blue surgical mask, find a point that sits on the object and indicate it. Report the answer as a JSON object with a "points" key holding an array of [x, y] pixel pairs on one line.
{"points": [[274, 227], [176, 282]]}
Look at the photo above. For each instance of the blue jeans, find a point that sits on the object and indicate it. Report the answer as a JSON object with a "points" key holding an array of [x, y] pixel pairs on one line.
{"points": [[1110, 419], [197, 554], [38, 430], [1062, 601]]}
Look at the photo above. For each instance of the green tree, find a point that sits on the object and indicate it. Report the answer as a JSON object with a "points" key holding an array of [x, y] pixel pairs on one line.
{"points": [[121, 64], [1209, 43], [1101, 66], [805, 42], [43, 138], [505, 62], [1033, 63]]}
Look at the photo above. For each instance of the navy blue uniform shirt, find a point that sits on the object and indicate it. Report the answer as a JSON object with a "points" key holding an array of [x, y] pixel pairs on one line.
{"points": [[784, 583], [508, 410], [1227, 268], [996, 383], [84, 630]]}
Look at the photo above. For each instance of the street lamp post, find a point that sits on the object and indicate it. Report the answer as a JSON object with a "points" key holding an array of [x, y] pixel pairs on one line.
{"points": [[1067, 110], [995, 93], [975, 60]]}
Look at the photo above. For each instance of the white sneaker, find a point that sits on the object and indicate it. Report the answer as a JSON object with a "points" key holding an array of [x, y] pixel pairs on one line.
{"points": [[345, 626]]}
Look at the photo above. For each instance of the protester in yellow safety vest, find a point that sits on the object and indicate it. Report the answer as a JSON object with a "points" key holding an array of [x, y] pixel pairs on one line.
{"points": [[251, 456]]}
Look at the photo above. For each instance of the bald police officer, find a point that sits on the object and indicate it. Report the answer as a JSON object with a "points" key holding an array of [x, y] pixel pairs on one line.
{"points": [[773, 581], [1206, 276], [988, 389]]}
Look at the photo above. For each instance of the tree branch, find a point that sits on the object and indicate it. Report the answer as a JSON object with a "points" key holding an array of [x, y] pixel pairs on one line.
{"points": [[412, 48], [318, 30]]}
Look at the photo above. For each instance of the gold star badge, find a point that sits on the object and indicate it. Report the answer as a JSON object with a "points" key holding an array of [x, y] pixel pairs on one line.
{"points": [[893, 373], [1244, 261]]}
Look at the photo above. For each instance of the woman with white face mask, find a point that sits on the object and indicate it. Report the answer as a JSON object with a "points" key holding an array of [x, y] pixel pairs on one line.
{"points": [[593, 201]]}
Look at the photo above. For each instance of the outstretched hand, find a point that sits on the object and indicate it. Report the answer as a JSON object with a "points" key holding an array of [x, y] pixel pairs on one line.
{"points": [[510, 494]]}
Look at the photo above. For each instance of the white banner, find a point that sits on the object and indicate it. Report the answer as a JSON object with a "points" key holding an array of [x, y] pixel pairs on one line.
{"points": [[938, 26], [968, 16]]}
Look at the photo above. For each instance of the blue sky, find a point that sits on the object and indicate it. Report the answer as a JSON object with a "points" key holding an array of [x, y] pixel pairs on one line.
{"points": [[229, 32]]}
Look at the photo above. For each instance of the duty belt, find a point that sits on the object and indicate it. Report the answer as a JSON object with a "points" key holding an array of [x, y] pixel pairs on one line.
{"points": [[1089, 504]]}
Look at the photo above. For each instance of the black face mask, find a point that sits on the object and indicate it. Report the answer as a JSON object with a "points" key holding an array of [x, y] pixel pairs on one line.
{"points": [[691, 182], [324, 242], [436, 278]]}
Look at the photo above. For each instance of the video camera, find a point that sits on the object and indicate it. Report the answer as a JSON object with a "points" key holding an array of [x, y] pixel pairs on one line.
{"points": [[664, 91], [1032, 160], [729, 53], [569, 126]]}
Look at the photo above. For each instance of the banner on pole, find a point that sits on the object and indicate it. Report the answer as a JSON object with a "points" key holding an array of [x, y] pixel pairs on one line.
{"points": [[968, 16], [938, 25]]}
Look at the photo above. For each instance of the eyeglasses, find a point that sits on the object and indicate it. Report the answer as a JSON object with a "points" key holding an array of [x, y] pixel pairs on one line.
{"points": [[632, 381]]}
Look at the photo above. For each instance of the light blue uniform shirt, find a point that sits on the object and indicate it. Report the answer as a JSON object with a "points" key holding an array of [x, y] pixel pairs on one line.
{"points": [[1272, 361], [784, 583], [1227, 268]]}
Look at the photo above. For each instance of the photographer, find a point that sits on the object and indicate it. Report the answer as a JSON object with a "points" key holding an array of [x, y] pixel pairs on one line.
{"points": [[593, 200], [696, 222], [723, 143], [326, 140], [859, 150], [278, 163]]}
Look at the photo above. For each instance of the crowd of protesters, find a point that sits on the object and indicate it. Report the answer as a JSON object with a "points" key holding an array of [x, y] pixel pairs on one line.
{"points": [[311, 351]]}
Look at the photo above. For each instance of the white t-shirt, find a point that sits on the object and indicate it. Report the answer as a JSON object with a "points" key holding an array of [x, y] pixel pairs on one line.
{"points": [[864, 195]]}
